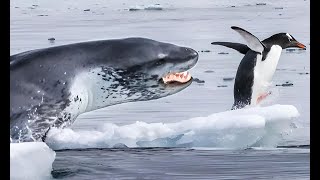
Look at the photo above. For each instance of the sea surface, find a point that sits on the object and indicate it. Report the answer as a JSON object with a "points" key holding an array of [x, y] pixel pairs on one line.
{"points": [[187, 23]]}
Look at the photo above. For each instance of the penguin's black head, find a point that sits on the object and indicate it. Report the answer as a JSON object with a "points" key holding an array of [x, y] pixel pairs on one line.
{"points": [[285, 40]]}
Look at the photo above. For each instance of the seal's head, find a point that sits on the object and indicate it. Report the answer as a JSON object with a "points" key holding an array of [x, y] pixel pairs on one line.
{"points": [[153, 69]]}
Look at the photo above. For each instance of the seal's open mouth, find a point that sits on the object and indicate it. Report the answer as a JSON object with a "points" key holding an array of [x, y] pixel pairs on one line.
{"points": [[181, 77]]}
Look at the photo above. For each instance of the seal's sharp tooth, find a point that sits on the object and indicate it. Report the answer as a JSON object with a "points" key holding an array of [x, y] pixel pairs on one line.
{"points": [[181, 77]]}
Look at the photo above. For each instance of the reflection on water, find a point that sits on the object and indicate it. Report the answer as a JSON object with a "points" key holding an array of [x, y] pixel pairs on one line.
{"points": [[181, 163]]}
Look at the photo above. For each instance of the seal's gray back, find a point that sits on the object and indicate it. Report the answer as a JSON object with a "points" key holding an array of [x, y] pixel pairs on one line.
{"points": [[40, 81]]}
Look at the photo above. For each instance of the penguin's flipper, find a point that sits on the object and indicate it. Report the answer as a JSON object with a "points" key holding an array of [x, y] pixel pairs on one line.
{"points": [[242, 48], [253, 42]]}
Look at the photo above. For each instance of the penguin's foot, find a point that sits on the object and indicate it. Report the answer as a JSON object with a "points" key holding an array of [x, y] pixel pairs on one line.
{"points": [[263, 96]]}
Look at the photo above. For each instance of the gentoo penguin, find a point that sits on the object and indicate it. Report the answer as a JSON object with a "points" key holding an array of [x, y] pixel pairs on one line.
{"points": [[257, 67]]}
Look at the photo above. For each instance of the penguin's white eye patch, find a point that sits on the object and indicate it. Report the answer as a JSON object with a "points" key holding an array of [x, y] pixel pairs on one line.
{"points": [[289, 37]]}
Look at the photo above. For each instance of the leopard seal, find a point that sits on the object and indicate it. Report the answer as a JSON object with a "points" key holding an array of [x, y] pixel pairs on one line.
{"points": [[51, 87]]}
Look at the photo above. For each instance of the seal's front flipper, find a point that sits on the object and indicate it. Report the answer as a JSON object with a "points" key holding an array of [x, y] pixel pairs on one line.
{"points": [[242, 48], [253, 42]]}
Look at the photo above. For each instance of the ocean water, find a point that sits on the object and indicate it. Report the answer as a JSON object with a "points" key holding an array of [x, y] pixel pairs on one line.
{"points": [[215, 143]]}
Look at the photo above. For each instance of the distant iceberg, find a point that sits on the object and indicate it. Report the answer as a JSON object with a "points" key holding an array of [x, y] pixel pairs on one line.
{"points": [[148, 7]]}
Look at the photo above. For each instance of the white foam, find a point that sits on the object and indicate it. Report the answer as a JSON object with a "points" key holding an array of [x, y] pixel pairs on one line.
{"points": [[254, 126], [31, 160]]}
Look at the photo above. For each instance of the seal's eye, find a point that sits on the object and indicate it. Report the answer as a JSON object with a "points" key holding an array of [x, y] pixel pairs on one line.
{"points": [[160, 61]]}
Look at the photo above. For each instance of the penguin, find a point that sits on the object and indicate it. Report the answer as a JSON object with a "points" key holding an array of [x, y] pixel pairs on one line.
{"points": [[257, 67]]}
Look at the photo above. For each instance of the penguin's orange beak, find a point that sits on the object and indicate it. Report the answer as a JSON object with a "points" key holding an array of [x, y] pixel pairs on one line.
{"points": [[300, 45]]}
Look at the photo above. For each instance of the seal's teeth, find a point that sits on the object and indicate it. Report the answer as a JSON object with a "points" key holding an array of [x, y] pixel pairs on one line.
{"points": [[185, 73], [181, 77]]}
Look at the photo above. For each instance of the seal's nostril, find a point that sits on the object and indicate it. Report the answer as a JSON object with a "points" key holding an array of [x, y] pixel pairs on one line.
{"points": [[191, 53], [194, 53]]}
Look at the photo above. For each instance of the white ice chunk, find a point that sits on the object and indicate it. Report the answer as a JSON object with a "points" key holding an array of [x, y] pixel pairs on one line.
{"points": [[253, 126], [31, 160]]}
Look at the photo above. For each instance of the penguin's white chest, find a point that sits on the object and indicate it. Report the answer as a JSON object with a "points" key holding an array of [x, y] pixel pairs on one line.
{"points": [[264, 71]]}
